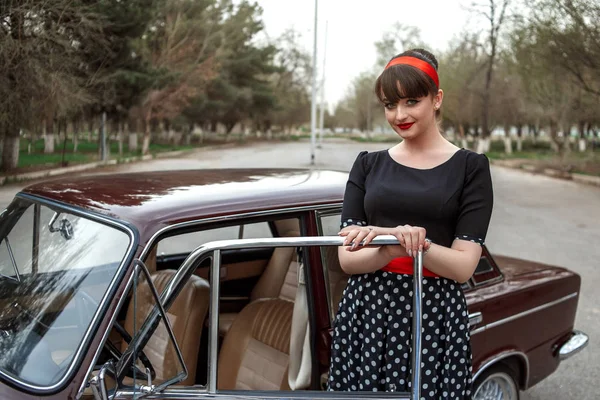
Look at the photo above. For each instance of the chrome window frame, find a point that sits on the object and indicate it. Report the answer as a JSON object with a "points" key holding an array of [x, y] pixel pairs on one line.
{"points": [[133, 235], [214, 249], [318, 215]]}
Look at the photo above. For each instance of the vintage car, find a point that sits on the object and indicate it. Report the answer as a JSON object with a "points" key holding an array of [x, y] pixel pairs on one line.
{"points": [[222, 284]]}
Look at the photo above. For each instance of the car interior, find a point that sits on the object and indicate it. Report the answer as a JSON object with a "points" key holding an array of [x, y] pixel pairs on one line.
{"points": [[258, 289]]}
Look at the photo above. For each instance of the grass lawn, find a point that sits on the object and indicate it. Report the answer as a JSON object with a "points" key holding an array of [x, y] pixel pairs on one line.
{"points": [[34, 158]]}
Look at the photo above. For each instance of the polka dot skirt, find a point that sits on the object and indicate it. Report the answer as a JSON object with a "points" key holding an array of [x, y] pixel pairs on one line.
{"points": [[371, 346]]}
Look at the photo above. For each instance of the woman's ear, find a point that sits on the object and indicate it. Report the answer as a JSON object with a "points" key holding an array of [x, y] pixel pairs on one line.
{"points": [[437, 99]]}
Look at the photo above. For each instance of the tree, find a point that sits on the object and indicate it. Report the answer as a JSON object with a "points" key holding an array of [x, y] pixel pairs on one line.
{"points": [[396, 40], [117, 75], [40, 63], [461, 77], [544, 84], [572, 28], [495, 14], [180, 45], [291, 82]]}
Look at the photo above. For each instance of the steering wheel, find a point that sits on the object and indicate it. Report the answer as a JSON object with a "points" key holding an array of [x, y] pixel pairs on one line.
{"points": [[82, 298]]}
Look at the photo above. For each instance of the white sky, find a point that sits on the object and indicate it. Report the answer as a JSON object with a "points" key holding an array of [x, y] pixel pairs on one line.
{"points": [[355, 25]]}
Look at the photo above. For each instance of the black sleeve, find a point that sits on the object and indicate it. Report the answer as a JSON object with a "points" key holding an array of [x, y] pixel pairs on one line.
{"points": [[476, 201], [353, 210]]}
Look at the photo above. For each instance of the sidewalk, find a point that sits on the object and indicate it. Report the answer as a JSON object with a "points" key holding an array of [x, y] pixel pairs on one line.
{"points": [[27, 176], [553, 173]]}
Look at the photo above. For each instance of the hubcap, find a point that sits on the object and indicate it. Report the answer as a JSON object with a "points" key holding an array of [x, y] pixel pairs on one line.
{"points": [[498, 386]]}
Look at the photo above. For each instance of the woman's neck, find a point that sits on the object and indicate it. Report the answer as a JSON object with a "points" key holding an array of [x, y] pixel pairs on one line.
{"points": [[425, 142]]}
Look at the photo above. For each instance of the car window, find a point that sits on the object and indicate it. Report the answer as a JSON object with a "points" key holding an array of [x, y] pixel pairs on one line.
{"points": [[484, 266], [56, 273], [187, 242]]}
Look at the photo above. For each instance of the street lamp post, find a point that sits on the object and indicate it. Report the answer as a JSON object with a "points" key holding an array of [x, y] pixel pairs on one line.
{"points": [[313, 108], [322, 116]]}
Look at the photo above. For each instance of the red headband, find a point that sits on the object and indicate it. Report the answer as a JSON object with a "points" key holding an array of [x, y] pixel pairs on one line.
{"points": [[418, 64]]}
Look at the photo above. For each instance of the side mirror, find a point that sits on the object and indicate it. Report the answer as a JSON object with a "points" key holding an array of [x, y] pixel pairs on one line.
{"points": [[104, 385]]}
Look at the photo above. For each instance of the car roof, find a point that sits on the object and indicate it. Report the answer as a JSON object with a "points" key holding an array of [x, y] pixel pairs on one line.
{"points": [[153, 200]]}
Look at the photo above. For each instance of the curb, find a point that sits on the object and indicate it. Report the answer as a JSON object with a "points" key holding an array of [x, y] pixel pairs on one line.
{"points": [[83, 167], [553, 173]]}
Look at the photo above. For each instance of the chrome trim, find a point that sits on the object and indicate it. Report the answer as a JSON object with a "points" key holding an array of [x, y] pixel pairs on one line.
{"points": [[105, 335], [133, 242], [187, 268], [162, 314], [502, 356], [232, 217], [496, 279], [523, 313], [12, 259], [328, 295], [579, 339], [416, 324], [213, 336], [475, 318]]}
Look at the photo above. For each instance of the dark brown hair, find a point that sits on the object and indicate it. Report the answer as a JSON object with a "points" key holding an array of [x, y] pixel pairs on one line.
{"points": [[404, 81]]}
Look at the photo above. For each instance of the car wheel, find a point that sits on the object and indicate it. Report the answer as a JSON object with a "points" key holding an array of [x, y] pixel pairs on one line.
{"points": [[496, 383]]}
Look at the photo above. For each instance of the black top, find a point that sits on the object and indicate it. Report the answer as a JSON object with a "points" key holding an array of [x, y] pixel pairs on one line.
{"points": [[452, 200]]}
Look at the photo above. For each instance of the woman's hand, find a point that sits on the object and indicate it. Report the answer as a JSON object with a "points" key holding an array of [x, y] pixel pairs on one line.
{"points": [[411, 238]]}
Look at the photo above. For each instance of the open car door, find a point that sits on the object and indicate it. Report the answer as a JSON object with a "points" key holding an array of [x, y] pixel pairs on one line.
{"points": [[300, 363]]}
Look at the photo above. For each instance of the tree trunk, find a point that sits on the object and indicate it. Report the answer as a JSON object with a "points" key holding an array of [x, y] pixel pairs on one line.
{"points": [[582, 142], [188, 134], [120, 137], [507, 140], [554, 138], [103, 142], [48, 133], [90, 129], [146, 142], [483, 144], [133, 137], [76, 128], [461, 135], [10, 150], [508, 145]]}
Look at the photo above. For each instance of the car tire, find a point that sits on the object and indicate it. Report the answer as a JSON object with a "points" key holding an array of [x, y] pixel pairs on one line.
{"points": [[498, 382]]}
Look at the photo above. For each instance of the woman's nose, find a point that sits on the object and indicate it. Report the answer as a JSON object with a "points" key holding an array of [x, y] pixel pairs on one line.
{"points": [[400, 113]]}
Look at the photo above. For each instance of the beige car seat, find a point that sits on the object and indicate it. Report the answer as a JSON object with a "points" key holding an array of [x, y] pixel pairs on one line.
{"points": [[186, 315]]}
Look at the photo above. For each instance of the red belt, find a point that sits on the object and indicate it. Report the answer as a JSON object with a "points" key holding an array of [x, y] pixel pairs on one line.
{"points": [[404, 265]]}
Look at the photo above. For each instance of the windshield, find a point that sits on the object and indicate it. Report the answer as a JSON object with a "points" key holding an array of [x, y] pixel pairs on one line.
{"points": [[55, 267]]}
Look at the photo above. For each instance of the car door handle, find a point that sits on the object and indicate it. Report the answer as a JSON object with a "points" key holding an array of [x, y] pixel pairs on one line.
{"points": [[475, 318]]}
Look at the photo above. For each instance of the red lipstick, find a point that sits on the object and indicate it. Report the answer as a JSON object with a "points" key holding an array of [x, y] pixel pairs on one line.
{"points": [[405, 126]]}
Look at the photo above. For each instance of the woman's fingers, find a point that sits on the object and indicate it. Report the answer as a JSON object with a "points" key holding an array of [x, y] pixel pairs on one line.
{"points": [[349, 236], [370, 236], [413, 238], [417, 242], [359, 238], [408, 239]]}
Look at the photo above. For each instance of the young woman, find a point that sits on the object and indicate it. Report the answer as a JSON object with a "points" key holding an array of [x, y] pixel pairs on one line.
{"points": [[432, 196]]}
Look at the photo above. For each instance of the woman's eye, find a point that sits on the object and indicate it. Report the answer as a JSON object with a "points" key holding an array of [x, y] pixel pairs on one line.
{"points": [[411, 102], [389, 106]]}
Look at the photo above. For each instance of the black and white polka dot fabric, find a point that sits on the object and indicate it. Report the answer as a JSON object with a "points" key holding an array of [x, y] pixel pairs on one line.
{"points": [[473, 239], [371, 349], [350, 222]]}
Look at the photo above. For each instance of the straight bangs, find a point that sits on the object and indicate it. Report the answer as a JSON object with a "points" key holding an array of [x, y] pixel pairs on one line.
{"points": [[402, 82]]}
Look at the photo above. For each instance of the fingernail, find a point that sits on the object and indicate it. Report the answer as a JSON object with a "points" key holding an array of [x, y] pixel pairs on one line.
{"points": [[421, 248], [409, 253]]}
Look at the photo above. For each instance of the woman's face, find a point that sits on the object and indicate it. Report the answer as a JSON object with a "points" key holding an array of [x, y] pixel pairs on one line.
{"points": [[411, 117]]}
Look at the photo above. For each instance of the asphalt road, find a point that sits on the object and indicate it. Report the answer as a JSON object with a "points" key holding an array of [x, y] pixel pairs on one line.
{"points": [[535, 217]]}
